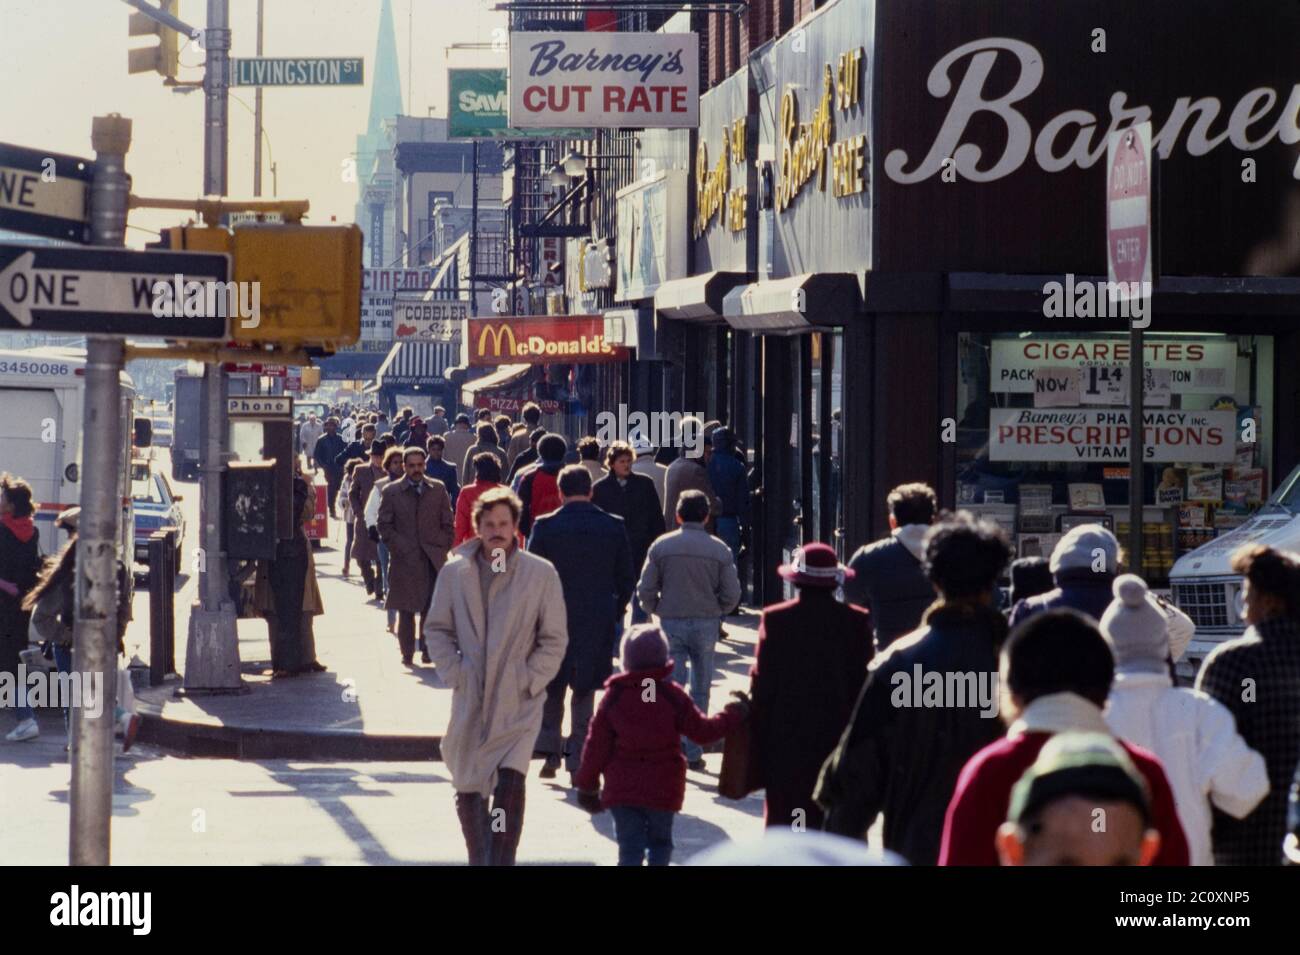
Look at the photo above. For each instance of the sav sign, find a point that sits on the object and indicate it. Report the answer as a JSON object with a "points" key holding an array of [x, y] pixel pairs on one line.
{"points": [[605, 80], [478, 107]]}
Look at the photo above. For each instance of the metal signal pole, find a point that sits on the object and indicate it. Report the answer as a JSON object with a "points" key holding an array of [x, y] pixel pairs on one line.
{"points": [[212, 648], [95, 629]]}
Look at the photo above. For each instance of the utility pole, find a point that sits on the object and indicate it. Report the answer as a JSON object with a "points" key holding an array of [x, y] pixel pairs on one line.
{"points": [[473, 238], [257, 117], [212, 648], [95, 629]]}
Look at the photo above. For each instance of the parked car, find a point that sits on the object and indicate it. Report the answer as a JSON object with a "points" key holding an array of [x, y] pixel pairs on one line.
{"points": [[156, 506], [1205, 586]]}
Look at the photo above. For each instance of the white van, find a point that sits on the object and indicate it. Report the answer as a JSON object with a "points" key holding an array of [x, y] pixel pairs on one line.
{"points": [[1204, 586], [41, 393]]}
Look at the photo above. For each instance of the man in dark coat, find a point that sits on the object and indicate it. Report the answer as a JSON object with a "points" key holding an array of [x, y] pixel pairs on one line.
{"points": [[589, 549], [633, 497], [929, 703], [808, 670], [731, 488], [441, 470], [888, 576], [360, 448], [20, 563], [416, 526], [326, 455]]}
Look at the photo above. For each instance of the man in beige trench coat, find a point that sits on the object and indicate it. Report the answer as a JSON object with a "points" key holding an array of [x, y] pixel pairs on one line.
{"points": [[497, 632]]}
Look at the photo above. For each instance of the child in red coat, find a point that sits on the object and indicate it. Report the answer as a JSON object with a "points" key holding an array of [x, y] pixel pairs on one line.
{"points": [[635, 740]]}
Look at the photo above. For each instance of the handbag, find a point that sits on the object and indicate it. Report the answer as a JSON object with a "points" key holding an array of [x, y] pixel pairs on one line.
{"points": [[739, 774]]}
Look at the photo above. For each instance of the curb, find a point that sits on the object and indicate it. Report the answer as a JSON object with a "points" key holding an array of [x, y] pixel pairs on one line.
{"points": [[207, 741]]}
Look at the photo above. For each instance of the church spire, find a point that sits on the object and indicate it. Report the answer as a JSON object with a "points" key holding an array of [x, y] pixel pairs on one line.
{"points": [[386, 86]]}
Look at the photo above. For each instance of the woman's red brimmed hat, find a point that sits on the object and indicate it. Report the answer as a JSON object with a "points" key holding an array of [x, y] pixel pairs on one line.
{"points": [[815, 565]]}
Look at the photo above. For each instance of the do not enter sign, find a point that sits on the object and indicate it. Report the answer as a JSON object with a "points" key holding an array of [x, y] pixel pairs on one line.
{"points": [[1128, 210]]}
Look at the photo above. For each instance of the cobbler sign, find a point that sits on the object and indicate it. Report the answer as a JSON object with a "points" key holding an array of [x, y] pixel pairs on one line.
{"points": [[608, 80]]}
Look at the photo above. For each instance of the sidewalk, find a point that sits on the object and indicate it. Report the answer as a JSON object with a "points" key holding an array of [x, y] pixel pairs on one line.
{"points": [[366, 706]]}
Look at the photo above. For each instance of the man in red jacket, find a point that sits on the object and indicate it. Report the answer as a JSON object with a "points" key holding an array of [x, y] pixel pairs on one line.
{"points": [[1054, 808], [1056, 671]]}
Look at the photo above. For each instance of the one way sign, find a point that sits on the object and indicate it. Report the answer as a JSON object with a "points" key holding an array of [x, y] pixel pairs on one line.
{"points": [[113, 292]]}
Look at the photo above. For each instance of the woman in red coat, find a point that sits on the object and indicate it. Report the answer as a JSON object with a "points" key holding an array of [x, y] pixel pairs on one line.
{"points": [[487, 475], [635, 741], [808, 670]]}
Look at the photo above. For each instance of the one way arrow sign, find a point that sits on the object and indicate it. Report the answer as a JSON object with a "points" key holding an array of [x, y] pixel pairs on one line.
{"points": [[112, 291]]}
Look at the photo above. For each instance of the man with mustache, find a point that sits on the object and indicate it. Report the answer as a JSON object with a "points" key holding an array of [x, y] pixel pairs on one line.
{"points": [[497, 632]]}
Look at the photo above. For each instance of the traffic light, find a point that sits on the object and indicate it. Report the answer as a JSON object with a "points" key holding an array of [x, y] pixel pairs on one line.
{"points": [[163, 58]]}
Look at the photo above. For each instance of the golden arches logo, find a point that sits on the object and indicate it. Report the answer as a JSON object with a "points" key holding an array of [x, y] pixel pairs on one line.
{"points": [[498, 333]]}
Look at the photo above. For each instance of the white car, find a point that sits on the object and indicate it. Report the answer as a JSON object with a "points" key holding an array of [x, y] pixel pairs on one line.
{"points": [[1204, 585]]}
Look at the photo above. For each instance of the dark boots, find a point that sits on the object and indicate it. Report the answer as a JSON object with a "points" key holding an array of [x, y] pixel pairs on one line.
{"points": [[492, 837], [507, 825], [475, 824]]}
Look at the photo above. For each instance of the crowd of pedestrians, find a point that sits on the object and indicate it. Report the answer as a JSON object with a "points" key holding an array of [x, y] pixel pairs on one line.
{"points": [[897, 690]]}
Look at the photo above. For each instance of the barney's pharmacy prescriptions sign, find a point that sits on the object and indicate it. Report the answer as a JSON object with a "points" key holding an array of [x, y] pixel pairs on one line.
{"points": [[607, 80], [1089, 434]]}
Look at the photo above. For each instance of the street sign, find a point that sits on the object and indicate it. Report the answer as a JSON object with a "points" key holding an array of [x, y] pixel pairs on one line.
{"points": [[428, 320], [297, 71], [113, 292], [1128, 210], [45, 193], [260, 406]]}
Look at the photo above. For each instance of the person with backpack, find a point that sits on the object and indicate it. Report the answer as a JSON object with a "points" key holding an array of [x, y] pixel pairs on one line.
{"points": [[632, 742], [539, 488]]}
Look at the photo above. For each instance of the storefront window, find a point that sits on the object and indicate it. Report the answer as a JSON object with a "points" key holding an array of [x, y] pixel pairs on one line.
{"points": [[1042, 436]]}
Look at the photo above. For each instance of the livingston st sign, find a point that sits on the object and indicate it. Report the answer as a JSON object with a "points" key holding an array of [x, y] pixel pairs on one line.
{"points": [[648, 80], [540, 340]]}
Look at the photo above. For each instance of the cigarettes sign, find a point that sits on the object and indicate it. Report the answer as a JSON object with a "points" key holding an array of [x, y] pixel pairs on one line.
{"points": [[605, 80], [1086, 434], [1194, 367]]}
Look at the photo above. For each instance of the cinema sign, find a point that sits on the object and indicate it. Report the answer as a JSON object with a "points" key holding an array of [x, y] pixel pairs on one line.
{"points": [[540, 340]]}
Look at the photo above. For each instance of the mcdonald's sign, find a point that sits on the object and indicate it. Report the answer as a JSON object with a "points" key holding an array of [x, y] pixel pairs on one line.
{"points": [[541, 340]]}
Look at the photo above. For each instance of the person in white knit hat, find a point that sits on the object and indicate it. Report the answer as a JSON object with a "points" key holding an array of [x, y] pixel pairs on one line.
{"points": [[1195, 736]]}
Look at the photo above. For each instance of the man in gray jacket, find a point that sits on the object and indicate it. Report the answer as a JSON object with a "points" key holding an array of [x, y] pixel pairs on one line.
{"points": [[689, 581]]}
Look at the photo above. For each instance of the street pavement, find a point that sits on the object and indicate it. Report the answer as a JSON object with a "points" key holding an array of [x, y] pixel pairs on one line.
{"points": [[173, 809]]}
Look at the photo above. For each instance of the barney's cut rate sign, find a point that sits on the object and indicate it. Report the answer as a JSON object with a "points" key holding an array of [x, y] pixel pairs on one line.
{"points": [[606, 80]]}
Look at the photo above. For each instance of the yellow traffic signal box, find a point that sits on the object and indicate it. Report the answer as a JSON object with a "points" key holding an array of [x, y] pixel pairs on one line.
{"points": [[309, 284]]}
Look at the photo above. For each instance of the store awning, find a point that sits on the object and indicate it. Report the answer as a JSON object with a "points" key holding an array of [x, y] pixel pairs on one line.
{"points": [[503, 377], [416, 363], [699, 297], [796, 304], [350, 365]]}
